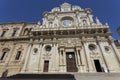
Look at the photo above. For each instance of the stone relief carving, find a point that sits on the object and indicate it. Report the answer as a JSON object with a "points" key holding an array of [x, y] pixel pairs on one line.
{"points": [[94, 55], [47, 56], [70, 42]]}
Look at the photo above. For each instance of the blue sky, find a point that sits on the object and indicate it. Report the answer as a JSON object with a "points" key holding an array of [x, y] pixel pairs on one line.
{"points": [[31, 10]]}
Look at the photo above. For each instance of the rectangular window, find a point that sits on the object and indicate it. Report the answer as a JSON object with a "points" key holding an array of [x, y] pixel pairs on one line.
{"points": [[13, 34], [3, 55], [3, 33], [18, 55]]}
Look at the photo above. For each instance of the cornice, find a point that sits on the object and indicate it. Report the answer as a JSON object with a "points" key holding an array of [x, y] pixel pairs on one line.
{"points": [[8, 23], [15, 38]]}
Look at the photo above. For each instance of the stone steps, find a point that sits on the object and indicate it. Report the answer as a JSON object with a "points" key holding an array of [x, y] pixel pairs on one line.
{"points": [[97, 76]]}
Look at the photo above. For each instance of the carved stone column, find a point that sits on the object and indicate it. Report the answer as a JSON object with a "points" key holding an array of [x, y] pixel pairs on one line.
{"points": [[60, 58], [81, 60], [57, 57], [78, 56], [78, 59], [77, 18]]}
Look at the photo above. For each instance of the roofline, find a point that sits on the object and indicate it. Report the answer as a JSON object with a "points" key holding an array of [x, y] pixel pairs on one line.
{"points": [[5, 23]]}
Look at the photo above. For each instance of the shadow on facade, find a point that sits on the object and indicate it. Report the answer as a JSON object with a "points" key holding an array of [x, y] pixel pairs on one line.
{"points": [[40, 77]]}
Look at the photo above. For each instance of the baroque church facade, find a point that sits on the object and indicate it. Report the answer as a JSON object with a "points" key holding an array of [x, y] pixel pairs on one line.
{"points": [[68, 40]]}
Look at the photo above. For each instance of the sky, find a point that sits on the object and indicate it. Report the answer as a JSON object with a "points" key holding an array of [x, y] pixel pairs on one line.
{"points": [[32, 10]]}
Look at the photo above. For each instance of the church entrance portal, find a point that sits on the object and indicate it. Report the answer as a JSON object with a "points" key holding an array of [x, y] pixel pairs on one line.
{"points": [[71, 62]]}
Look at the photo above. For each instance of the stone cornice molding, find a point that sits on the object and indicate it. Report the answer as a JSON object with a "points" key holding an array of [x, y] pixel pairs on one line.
{"points": [[14, 38]]}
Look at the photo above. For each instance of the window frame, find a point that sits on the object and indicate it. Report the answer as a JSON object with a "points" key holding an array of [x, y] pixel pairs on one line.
{"points": [[3, 33], [3, 55], [18, 55], [14, 33], [5, 51]]}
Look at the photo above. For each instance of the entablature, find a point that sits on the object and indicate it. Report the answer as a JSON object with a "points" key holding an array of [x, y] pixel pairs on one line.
{"points": [[69, 31], [14, 38], [95, 27]]}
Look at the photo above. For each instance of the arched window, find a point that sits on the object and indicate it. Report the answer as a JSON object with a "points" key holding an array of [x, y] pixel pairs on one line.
{"points": [[14, 32], [25, 31], [29, 30], [84, 22], [5, 51]]}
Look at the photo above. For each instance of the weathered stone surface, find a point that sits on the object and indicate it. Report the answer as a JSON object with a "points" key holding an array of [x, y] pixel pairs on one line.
{"points": [[68, 40]]}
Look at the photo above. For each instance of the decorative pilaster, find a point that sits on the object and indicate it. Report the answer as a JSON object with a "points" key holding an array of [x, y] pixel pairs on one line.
{"points": [[57, 57], [78, 57], [115, 49], [60, 57], [27, 58], [105, 66], [77, 18], [64, 56], [116, 53], [40, 54], [62, 60], [8, 60], [90, 66], [54, 58]]}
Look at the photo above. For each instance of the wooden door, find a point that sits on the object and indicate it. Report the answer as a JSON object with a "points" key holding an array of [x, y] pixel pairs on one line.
{"points": [[46, 66], [71, 62]]}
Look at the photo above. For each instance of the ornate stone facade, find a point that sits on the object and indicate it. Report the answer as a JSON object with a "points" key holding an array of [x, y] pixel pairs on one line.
{"points": [[68, 40], [117, 43]]}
